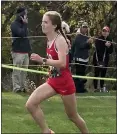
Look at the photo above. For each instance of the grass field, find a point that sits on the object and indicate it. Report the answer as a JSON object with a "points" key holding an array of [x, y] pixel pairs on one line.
{"points": [[98, 110]]}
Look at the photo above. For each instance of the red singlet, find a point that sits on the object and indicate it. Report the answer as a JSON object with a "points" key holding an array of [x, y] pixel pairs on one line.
{"points": [[60, 79]]}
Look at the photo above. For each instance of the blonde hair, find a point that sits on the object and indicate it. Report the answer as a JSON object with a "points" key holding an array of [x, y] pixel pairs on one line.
{"points": [[65, 26]]}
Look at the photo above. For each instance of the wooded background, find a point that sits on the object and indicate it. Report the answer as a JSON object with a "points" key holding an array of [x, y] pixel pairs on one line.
{"points": [[97, 14]]}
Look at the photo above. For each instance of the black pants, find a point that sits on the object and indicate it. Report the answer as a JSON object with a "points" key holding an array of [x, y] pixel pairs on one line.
{"points": [[99, 72], [80, 70]]}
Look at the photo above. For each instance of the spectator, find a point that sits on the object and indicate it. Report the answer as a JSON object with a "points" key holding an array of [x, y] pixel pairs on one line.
{"points": [[65, 27], [101, 56], [66, 30], [79, 51], [20, 49], [79, 26]]}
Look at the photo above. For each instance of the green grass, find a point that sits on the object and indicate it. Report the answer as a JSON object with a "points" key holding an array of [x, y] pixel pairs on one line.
{"points": [[99, 112]]}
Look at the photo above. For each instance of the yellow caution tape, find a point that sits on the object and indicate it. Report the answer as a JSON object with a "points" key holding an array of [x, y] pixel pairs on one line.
{"points": [[43, 72]]}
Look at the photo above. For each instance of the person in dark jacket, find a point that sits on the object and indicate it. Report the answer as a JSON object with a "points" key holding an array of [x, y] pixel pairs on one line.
{"points": [[101, 56], [20, 48], [80, 54]]}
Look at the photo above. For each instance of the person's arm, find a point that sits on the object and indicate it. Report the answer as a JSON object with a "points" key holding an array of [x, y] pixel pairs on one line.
{"points": [[97, 42], [98, 48], [61, 47], [109, 47], [86, 44], [18, 31]]}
